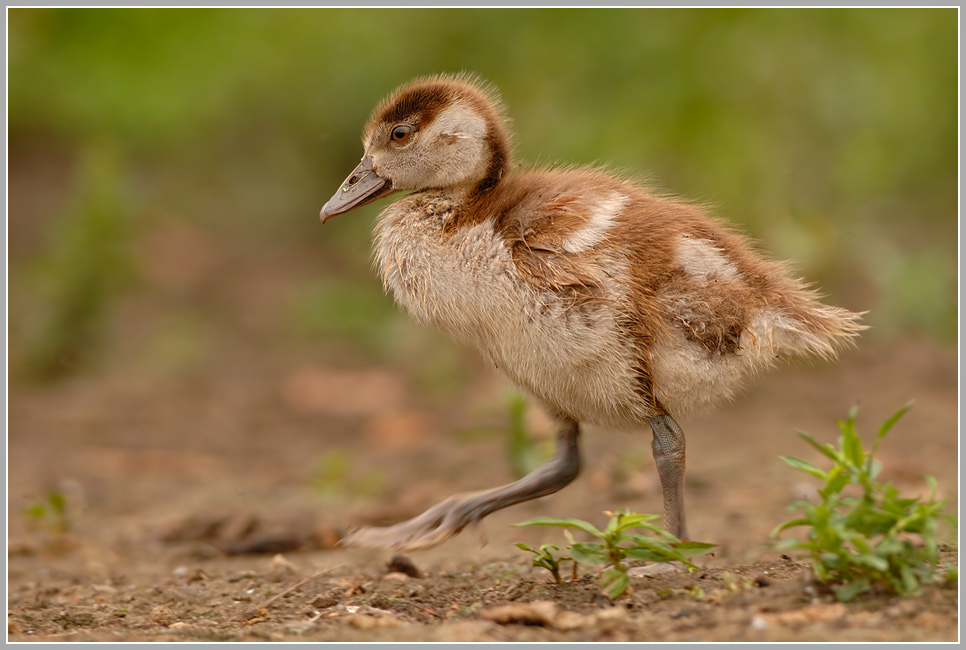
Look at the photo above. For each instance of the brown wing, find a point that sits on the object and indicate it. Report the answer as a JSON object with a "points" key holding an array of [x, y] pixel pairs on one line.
{"points": [[542, 215]]}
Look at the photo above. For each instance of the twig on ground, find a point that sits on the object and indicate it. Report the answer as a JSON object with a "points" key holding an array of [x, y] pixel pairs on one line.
{"points": [[259, 612]]}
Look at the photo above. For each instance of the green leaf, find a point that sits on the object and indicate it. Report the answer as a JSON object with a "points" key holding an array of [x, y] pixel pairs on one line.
{"points": [[910, 583], [614, 582], [888, 424], [852, 447], [790, 524], [588, 553], [690, 548], [835, 483], [58, 502], [852, 589], [642, 521], [563, 523], [874, 561], [874, 468], [823, 447], [648, 555], [797, 463]]}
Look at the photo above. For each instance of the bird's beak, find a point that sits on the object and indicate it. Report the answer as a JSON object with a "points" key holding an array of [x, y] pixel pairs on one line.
{"points": [[362, 186]]}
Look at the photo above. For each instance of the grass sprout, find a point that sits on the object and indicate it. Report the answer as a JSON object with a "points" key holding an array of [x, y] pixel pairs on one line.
{"points": [[618, 542]]}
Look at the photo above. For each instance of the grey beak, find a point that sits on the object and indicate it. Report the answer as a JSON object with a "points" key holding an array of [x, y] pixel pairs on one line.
{"points": [[362, 186]]}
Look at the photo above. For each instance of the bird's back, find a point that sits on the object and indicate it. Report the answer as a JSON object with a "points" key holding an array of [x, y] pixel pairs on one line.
{"points": [[609, 302]]}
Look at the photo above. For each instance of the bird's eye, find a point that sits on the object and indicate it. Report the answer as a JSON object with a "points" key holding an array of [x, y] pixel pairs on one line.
{"points": [[402, 133]]}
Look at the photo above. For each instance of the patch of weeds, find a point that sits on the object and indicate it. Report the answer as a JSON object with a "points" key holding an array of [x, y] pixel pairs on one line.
{"points": [[617, 543], [732, 584], [694, 593], [79, 275], [180, 344], [355, 313], [51, 516], [334, 477], [524, 452], [877, 539], [546, 559]]}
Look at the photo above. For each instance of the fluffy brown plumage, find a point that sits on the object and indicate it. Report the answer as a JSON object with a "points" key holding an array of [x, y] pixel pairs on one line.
{"points": [[609, 303]]}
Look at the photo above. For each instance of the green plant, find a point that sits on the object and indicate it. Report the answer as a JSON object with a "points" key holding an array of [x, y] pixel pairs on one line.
{"points": [[877, 538], [524, 452], [51, 515], [546, 559], [79, 275], [617, 544], [334, 476]]}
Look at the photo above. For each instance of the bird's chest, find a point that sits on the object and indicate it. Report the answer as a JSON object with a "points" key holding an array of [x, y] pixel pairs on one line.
{"points": [[465, 282]]}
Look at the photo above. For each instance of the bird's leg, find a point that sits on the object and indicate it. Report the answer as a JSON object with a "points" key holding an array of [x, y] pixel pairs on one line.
{"points": [[452, 515], [668, 447]]}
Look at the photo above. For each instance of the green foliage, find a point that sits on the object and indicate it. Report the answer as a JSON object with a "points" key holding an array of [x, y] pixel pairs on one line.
{"points": [[51, 515], [355, 313], [844, 121], [335, 477], [332, 472], [545, 559], [524, 452], [875, 539], [618, 543], [86, 262]]}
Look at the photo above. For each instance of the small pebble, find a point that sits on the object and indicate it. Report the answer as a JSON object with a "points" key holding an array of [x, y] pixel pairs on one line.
{"points": [[324, 601], [162, 615], [541, 612], [366, 622], [402, 564]]}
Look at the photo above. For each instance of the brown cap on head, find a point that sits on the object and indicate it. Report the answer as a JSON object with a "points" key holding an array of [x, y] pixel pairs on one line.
{"points": [[435, 132]]}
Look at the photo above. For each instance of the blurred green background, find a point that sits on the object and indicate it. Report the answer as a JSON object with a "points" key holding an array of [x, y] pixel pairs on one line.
{"points": [[167, 166]]}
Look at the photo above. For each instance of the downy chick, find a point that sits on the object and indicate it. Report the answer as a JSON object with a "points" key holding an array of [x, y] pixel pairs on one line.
{"points": [[607, 302]]}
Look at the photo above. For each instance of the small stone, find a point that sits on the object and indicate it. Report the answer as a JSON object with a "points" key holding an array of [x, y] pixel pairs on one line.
{"points": [[367, 622], [612, 614], [932, 621], [567, 620], [324, 601], [180, 624], [465, 632], [820, 613], [540, 612], [162, 615], [241, 575], [402, 564], [658, 568], [280, 562]]}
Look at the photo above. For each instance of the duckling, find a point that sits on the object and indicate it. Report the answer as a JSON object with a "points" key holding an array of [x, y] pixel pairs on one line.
{"points": [[607, 302]]}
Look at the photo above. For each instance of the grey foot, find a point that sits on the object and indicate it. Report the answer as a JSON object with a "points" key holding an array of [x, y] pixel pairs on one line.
{"points": [[433, 527]]}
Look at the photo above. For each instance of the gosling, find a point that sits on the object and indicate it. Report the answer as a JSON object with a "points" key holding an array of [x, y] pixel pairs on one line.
{"points": [[605, 301]]}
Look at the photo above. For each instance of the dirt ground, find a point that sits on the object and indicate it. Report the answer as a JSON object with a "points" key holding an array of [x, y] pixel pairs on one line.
{"points": [[203, 503]]}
